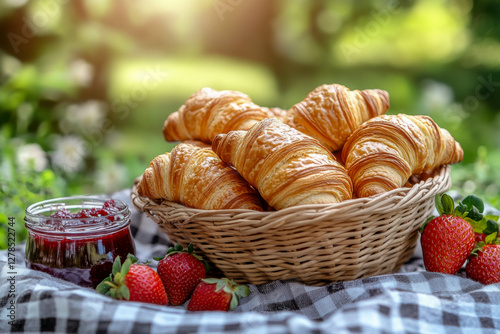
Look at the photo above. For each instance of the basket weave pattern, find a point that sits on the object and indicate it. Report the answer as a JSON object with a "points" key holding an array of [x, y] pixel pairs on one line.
{"points": [[313, 244]]}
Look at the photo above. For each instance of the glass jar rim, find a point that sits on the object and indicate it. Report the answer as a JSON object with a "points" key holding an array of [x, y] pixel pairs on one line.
{"points": [[37, 221]]}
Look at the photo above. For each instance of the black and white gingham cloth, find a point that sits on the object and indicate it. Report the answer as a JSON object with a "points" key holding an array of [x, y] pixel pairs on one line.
{"points": [[411, 301]]}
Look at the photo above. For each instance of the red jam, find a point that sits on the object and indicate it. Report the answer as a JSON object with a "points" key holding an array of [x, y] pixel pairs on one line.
{"points": [[77, 239]]}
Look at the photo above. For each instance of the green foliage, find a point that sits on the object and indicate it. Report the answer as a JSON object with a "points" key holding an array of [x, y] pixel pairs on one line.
{"points": [[20, 189], [480, 177]]}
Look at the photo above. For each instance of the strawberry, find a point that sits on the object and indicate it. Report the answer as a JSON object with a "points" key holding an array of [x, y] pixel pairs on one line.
{"points": [[133, 282], [484, 262], [479, 237], [180, 271], [215, 294], [446, 240]]}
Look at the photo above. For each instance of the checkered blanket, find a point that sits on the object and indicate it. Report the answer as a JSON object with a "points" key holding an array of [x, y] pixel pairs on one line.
{"points": [[410, 301]]}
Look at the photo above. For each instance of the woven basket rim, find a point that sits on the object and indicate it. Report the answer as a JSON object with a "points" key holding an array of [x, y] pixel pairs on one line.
{"points": [[393, 200]]}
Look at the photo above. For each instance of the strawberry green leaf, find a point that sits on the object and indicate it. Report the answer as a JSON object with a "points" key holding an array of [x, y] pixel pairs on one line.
{"points": [[461, 209], [238, 291], [243, 291], [190, 248], [125, 267], [491, 238], [158, 258], [448, 204], [103, 288], [132, 258], [123, 292], [117, 266], [474, 214], [491, 226], [439, 204], [492, 217], [221, 285], [175, 250], [477, 226], [234, 302], [207, 266], [473, 201], [211, 280], [114, 285]]}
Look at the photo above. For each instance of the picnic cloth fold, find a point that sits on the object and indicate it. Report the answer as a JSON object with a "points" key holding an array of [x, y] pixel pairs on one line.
{"points": [[410, 301]]}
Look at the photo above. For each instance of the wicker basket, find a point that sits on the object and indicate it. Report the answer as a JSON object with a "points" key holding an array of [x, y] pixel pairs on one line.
{"points": [[313, 244]]}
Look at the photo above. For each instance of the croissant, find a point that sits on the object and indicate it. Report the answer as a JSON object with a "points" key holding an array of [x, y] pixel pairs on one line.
{"points": [[208, 112], [197, 143], [287, 167], [330, 113], [383, 153], [197, 178], [277, 113]]}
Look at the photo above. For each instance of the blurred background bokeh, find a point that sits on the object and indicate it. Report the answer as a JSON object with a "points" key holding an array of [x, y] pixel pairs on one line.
{"points": [[85, 85]]}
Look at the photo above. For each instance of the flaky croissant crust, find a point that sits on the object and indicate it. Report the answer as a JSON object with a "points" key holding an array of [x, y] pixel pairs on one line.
{"points": [[197, 178], [330, 113], [209, 112], [384, 152], [286, 166]]}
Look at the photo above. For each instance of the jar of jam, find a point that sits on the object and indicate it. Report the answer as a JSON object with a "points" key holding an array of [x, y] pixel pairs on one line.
{"points": [[77, 238]]}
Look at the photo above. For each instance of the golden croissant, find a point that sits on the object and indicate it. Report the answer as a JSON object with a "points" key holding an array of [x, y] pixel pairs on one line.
{"points": [[208, 112], [383, 153], [330, 113], [287, 167], [197, 178]]}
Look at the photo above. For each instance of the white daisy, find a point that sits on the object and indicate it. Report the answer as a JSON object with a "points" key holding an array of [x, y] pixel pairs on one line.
{"points": [[111, 178], [81, 72], [31, 156], [69, 153], [85, 116]]}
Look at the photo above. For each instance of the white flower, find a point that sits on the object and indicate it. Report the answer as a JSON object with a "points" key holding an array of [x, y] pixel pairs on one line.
{"points": [[31, 156], [69, 153], [112, 178], [85, 116], [81, 72], [436, 95], [9, 65]]}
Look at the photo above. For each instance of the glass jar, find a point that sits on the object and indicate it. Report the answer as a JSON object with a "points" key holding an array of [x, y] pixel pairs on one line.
{"points": [[77, 238]]}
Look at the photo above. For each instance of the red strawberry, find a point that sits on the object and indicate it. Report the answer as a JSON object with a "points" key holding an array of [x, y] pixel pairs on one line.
{"points": [[484, 263], [446, 243], [446, 240], [215, 294], [133, 282], [180, 271], [479, 237]]}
